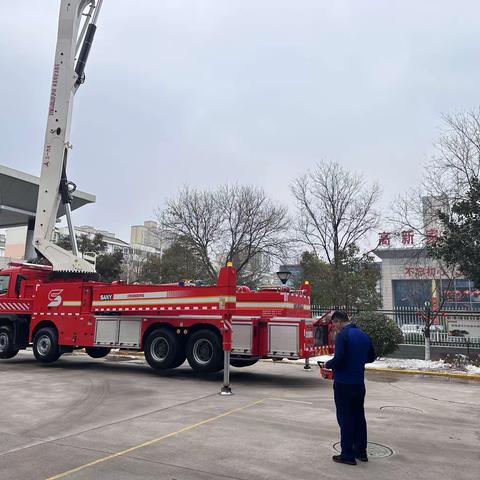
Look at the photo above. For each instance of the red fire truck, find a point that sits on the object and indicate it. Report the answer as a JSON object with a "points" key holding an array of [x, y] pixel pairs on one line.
{"points": [[61, 307], [169, 323]]}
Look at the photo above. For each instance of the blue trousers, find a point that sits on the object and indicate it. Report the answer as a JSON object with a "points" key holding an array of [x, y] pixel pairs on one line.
{"points": [[349, 400]]}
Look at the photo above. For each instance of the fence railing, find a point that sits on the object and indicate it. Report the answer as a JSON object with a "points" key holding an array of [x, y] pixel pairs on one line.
{"points": [[449, 328]]}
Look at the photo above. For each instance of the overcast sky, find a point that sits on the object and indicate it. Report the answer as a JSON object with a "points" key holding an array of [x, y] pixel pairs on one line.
{"points": [[208, 91]]}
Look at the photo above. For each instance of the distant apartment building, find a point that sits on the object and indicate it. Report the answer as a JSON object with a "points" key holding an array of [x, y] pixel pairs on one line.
{"points": [[3, 259], [148, 238], [113, 244], [15, 239], [3, 240]]}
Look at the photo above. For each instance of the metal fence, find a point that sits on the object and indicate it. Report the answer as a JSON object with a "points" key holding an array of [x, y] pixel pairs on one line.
{"points": [[452, 328]]}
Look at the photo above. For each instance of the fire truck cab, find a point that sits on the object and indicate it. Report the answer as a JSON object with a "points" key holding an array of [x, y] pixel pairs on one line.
{"points": [[17, 286]]}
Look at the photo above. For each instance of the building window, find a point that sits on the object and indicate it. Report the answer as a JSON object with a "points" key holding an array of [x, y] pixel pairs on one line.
{"points": [[412, 293], [459, 295]]}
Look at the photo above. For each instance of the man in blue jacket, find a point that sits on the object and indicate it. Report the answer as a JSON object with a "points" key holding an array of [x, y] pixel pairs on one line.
{"points": [[353, 349]]}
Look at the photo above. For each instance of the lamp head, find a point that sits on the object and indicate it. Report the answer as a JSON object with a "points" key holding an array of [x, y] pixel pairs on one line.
{"points": [[284, 276]]}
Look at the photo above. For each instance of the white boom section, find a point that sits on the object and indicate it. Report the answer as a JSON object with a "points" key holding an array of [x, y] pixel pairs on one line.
{"points": [[67, 77]]}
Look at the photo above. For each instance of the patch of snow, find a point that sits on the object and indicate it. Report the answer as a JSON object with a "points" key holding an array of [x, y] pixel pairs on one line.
{"points": [[473, 369], [407, 364], [321, 358], [423, 365]]}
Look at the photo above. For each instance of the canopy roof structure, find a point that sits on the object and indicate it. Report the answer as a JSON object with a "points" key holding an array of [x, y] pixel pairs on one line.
{"points": [[18, 198]]}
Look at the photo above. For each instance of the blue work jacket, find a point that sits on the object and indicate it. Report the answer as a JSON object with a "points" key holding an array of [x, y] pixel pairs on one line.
{"points": [[353, 349]]}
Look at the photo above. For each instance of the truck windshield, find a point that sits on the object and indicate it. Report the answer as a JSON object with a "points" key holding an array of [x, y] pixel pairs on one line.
{"points": [[4, 281]]}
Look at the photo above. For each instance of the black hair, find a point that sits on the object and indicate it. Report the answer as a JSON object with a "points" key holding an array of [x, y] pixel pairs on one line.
{"points": [[340, 316]]}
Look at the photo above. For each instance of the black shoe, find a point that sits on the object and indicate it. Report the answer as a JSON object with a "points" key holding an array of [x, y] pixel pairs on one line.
{"points": [[363, 457], [340, 459]]}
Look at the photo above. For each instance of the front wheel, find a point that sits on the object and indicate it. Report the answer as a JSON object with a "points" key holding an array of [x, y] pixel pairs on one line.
{"points": [[97, 352], [6, 343], [204, 351], [45, 345]]}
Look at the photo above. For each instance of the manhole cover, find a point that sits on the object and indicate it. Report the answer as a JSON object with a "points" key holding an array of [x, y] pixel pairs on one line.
{"points": [[400, 409], [373, 450]]}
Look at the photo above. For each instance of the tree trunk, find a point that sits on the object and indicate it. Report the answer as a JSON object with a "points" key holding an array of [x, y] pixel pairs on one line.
{"points": [[427, 349]]}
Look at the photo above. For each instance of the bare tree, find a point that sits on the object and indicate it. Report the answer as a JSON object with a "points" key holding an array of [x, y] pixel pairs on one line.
{"points": [[446, 179], [193, 215], [450, 173], [336, 209], [133, 264], [232, 223]]}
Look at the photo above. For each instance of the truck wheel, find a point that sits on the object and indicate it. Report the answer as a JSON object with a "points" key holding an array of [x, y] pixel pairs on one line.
{"points": [[45, 345], [243, 362], [97, 352], [6, 343], [161, 349], [204, 351]]}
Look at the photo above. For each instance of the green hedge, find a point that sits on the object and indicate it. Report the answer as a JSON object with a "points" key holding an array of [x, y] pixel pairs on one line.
{"points": [[383, 331]]}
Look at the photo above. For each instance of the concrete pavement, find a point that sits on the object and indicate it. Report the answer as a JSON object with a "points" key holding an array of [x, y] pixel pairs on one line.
{"points": [[117, 419]]}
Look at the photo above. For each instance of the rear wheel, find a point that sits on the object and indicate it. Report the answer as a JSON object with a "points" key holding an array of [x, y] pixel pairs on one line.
{"points": [[45, 345], [162, 349], [6, 343], [243, 362], [97, 352], [204, 351]]}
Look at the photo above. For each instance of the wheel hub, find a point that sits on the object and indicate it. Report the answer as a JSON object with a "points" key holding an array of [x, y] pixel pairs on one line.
{"points": [[4, 342], [159, 349], [44, 345], [203, 351]]}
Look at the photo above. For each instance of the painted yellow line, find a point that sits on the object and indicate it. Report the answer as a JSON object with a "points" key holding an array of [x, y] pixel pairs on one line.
{"points": [[155, 440], [466, 376]]}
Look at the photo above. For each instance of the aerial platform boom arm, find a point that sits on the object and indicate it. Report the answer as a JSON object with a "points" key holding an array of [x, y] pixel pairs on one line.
{"points": [[68, 75]]}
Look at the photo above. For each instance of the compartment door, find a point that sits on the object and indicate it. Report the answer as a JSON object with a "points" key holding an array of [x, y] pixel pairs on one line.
{"points": [[283, 339], [242, 338]]}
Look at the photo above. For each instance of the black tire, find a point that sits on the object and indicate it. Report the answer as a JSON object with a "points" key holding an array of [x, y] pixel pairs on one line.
{"points": [[243, 362], [180, 360], [205, 352], [45, 345], [161, 349], [181, 354], [97, 352], [6, 343]]}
